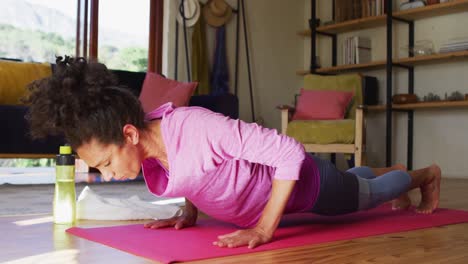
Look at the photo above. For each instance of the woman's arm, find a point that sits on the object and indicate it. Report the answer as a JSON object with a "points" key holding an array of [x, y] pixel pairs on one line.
{"points": [[273, 211], [220, 138], [266, 226]]}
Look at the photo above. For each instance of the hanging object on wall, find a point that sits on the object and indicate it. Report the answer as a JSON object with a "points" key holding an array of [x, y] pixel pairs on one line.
{"points": [[226, 15], [188, 15], [220, 74], [249, 72], [190, 9], [217, 12], [200, 65]]}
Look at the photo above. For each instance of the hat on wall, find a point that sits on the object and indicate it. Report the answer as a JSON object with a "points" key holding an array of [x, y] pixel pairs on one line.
{"points": [[191, 9], [217, 12]]}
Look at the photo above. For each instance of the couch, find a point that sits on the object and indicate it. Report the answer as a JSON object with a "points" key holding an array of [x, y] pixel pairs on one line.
{"points": [[14, 135]]}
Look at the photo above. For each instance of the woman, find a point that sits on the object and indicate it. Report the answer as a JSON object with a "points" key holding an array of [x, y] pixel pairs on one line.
{"points": [[233, 171]]}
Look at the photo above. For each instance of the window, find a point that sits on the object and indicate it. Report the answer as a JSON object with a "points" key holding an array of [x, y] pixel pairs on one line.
{"points": [[37, 30], [123, 34]]}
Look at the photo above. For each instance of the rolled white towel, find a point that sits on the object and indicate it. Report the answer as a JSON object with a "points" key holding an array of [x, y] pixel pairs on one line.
{"points": [[91, 206]]}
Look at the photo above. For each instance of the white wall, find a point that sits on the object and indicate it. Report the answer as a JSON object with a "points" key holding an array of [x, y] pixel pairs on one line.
{"points": [[275, 54], [439, 135]]}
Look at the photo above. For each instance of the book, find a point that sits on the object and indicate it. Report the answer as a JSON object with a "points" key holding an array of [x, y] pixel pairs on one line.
{"points": [[363, 50], [357, 50]]}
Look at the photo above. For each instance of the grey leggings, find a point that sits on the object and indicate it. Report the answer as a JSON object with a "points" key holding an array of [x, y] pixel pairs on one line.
{"points": [[356, 189], [374, 191]]}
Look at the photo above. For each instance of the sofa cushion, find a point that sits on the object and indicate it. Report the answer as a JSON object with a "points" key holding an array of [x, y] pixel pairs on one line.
{"points": [[322, 105], [343, 82], [15, 76], [158, 90], [322, 131]]}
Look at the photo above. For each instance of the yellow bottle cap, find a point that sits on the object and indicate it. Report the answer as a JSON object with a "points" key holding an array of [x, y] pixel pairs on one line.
{"points": [[65, 150]]}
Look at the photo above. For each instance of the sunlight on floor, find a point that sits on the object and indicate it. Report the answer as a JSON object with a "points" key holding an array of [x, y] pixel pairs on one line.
{"points": [[68, 256], [35, 221]]}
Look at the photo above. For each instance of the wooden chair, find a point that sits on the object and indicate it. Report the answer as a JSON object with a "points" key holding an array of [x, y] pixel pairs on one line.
{"points": [[330, 136]]}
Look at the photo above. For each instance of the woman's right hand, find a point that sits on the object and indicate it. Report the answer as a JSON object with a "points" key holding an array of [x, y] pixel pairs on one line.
{"points": [[177, 222]]}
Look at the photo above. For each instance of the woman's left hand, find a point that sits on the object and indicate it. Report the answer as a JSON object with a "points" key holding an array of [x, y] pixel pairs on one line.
{"points": [[249, 237]]}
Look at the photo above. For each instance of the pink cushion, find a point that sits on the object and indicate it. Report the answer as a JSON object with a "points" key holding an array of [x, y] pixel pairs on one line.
{"points": [[322, 104], [158, 90]]}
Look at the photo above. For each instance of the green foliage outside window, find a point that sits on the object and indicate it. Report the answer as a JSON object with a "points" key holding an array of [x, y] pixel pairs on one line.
{"points": [[128, 58], [26, 163], [38, 46]]}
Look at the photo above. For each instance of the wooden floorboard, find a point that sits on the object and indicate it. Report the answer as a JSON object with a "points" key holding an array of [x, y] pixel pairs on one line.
{"points": [[41, 243]]}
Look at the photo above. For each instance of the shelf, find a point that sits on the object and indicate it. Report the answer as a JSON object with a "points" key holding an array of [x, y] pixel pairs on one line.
{"points": [[422, 105], [386, 21], [427, 105], [350, 25], [378, 21], [410, 61], [348, 67], [374, 108], [302, 72], [435, 58], [433, 10]]}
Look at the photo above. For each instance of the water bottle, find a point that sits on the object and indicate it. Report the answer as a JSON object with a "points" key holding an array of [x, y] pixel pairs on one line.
{"points": [[65, 195]]}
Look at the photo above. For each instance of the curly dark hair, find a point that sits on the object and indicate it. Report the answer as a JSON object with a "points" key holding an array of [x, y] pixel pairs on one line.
{"points": [[82, 101]]}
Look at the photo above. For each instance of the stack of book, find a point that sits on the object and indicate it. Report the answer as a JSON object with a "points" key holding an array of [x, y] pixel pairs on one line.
{"points": [[354, 9], [455, 45], [356, 50]]}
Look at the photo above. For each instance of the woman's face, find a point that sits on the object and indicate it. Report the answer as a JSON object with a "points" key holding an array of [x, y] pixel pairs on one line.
{"points": [[113, 161]]}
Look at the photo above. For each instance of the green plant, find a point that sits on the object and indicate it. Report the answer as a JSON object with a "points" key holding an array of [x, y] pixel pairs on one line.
{"points": [[27, 163]]}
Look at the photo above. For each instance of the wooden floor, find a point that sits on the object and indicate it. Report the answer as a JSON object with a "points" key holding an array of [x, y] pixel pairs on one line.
{"points": [[34, 239]]}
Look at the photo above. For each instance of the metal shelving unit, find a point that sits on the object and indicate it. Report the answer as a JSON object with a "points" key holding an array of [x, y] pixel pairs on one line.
{"points": [[408, 17]]}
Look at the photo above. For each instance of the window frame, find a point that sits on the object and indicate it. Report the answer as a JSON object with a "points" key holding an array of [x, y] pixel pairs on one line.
{"points": [[88, 14]]}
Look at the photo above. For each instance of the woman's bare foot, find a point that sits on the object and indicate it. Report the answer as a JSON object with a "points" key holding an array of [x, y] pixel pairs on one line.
{"points": [[403, 202], [430, 191]]}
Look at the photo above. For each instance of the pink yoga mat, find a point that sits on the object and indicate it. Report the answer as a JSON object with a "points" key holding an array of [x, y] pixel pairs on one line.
{"points": [[194, 243]]}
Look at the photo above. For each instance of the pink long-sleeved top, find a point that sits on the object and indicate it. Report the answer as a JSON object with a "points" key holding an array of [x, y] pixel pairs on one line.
{"points": [[225, 167]]}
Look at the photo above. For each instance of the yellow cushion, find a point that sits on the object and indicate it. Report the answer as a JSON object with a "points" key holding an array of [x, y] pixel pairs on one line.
{"points": [[343, 82], [322, 131], [15, 76]]}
